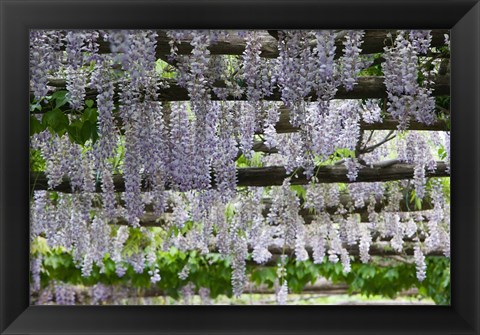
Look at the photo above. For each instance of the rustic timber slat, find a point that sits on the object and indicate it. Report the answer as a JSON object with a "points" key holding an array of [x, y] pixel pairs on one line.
{"points": [[373, 42], [275, 175], [366, 88]]}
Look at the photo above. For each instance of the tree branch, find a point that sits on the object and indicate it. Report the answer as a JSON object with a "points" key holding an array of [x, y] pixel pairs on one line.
{"points": [[387, 138]]}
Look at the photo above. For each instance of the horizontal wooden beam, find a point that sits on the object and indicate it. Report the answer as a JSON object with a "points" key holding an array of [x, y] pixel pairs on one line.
{"points": [[382, 248], [345, 200], [284, 126], [391, 124], [268, 176], [366, 88], [275, 175], [321, 288], [388, 123], [373, 42]]}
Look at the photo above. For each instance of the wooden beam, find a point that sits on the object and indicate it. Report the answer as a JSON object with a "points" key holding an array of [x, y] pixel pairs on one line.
{"points": [[388, 123], [275, 175], [366, 88], [376, 249], [373, 42], [268, 176], [152, 220]]}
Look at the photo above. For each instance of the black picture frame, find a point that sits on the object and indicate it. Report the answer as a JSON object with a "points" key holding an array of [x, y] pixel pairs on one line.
{"points": [[18, 16]]}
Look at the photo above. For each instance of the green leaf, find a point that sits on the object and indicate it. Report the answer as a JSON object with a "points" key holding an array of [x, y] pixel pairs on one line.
{"points": [[338, 269], [442, 153], [37, 163], [89, 103], [357, 284], [265, 275], [345, 153], [74, 130], [418, 203], [35, 126], [88, 131], [391, 274], [294, 285], [56, 120], [300, 190], [300, 272], [367, 272], [35, 106], [60, 98], [90, 114]]}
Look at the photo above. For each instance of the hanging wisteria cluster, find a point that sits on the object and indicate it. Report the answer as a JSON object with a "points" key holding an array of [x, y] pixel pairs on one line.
{"points": [[172, 164], [406, 97]]}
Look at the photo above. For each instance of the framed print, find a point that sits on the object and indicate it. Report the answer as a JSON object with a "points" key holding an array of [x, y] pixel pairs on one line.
{"points": [[269, 161]]}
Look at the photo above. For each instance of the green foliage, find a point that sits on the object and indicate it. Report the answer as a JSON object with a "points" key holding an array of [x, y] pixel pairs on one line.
{"points": [[337, 155], [117, 161], [375, 69], [136, 242], [444, 182], [299, 190], [214, 272], [56, 121], [446, 188], [437, 283], [208, 270], [442, 106], [367, 279], [443, 101], [37, 163], [344, 153], [165, 70], [229, 211], [264, 275], [35, 106], [255, 161], [35, 125], [442, 154], [59, 98], [84, 128], [80, 128], [415, 200]]}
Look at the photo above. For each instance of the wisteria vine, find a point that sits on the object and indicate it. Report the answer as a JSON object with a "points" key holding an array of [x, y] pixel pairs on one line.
{"points": [[179, 159]]}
